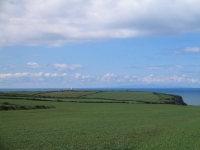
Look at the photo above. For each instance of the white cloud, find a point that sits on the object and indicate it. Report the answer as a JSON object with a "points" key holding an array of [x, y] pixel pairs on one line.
{"points": [[36, 74], [56, 79], [124, 79], [63, 67], [55, 23], [187, 50], [192, 50], [177, 67], [87, 77], [33, 65], [77, 75], [167, 79], [59, 67], [166, 67], [47, 75], [108, 77], [55, 75], [150, 79], [154, 68], [14, 75]]}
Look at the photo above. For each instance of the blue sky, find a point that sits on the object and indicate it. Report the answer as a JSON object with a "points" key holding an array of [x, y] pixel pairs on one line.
{"points": [[93, 43]]}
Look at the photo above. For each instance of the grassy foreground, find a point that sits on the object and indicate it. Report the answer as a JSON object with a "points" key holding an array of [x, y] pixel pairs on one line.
{"points": [[77, 125]]}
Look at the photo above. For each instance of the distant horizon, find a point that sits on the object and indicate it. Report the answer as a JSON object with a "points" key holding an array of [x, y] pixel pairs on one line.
{"points": [[74, 88], [189, 95]]}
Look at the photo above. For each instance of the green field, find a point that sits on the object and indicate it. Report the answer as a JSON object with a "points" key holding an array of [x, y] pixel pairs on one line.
{"points": [[98, 120], [96, 97]]}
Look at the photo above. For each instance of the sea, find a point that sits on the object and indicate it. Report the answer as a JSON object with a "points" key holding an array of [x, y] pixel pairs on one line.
{"points": [[191, 96]]}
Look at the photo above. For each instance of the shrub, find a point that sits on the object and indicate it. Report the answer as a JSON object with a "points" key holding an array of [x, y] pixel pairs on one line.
{"points": [[59, 100], [5, 103], [20, 107], [12, 108], [4, 108], [39, 106]]}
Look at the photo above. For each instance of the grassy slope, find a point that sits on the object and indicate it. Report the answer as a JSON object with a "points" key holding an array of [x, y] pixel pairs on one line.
{"points": [[100, 126], [125, 95], [104, 96], [66, 94]]}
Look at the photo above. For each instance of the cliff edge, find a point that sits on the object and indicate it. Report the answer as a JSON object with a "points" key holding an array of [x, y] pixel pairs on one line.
{"points": [[170, 99]]}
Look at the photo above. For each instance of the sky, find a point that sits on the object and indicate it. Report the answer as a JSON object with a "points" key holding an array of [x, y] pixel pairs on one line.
{"points": [[99, 43]]}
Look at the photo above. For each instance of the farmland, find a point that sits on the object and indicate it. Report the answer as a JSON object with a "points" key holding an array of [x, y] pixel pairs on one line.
{"points": [[97, 97], [98, 120]]}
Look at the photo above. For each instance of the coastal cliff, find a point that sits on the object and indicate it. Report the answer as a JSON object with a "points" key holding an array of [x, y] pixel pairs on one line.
{"points": [[170, 99], [178, 100]]}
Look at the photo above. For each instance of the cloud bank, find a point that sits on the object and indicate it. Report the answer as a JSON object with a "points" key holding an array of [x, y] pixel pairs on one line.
{"points": [[64, 67], [57, 66], [187, 50], [33, 65], [69, 75], [58, 22], [63, 79]]}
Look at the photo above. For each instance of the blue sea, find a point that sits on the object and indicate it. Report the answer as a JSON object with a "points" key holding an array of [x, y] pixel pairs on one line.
{"points": [[191, 96]]}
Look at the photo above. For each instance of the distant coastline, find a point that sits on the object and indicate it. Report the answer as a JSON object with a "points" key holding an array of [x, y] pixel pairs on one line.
{"points": [[190, 95]]}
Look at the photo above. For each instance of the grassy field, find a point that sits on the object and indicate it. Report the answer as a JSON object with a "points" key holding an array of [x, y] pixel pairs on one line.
{"points": [[75, 125], [124, 95], [66, 94], [96, 97]]}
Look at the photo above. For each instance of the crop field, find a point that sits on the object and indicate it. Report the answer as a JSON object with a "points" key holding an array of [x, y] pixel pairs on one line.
{"points": [[66, 94], [125, 95], [93, 96], [76, 125]]}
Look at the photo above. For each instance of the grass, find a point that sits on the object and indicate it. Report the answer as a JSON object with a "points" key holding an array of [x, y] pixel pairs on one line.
{"points": [[99, 126], [66, 94], [124, 95], [96, 96]]}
